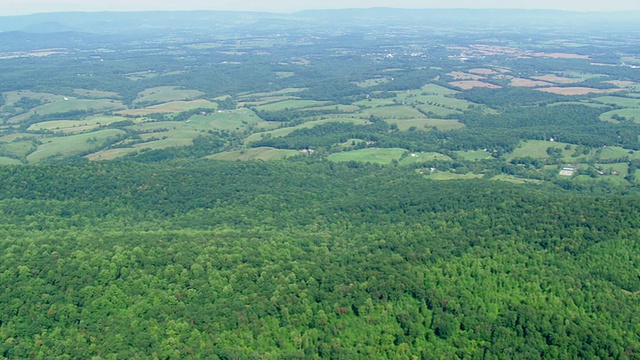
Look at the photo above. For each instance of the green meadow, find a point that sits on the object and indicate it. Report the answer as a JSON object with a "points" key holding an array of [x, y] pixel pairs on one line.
{"points": [[372, 155], [65, 146], [260, 153]]}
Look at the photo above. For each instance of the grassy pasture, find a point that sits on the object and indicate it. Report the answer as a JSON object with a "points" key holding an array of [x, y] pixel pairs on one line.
{"points": [[162, 94], [538, 149], [291, 104], [473, 155], [18, 148], [421, 157], [110, 154], [9, 161], [261, 153], [11, 97], [71, 104], [170, 107], [621, 168], [229, 120], [285, 91], [619, 101], [514, 179], [70, 145], [394, 112], [426, 124], [95, 94], [616, 152], [629, 114], [72, 126], [444, 175], [287, 130], [371, 82], [373, 102], [372, 155], [438, 111]]}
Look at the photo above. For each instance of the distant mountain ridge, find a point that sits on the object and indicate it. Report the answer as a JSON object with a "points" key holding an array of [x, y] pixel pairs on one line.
{"points": [[143, 21]]}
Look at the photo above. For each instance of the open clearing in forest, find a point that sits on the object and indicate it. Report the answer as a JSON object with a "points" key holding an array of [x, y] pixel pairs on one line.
{"points": [[576, 90], [515, 180], [287, 130], [372, 82], [519, 82], [620, 101], [616, 152], [473, 155], [459, 75], [470, 84], [420, 157], [72, 145], [372, 155], [163, 94], [631, 114], [556, 79], [96, 94], [74, 126], [445, 175], [426, 124], [394, 112], [170, 107], [18, 148], [260, 153], [9, 161], [71, 104], [291, 104], [537, 149]]}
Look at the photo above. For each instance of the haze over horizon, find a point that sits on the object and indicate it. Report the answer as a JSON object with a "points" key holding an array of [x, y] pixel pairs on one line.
{"points": [[16, 7]]}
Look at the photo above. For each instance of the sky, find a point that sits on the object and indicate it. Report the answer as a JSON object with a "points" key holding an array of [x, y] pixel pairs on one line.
{"points": [[20, 7]]}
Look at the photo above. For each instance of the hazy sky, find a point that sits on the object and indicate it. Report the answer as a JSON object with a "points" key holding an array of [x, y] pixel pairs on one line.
{"points": [[14, 7]]}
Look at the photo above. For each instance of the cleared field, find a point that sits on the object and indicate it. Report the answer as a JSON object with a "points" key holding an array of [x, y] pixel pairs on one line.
{"points": [[616, 152], [515, 180], [426, 124], [372, 155], [372, 102], [110, 154], [557, 79], [433, 89], [287, 130], [538, 149], [519, 82], [229, 120], [72, 104], [96, 94], [616, 169], [162, 94], [372, 82], [482, 71], [280, 92], [470, 84], [336, 108], [72, 145], [9, 161], [576, 90], [473, 155], [417, 158], [459, 75], [620, 83], [394, 112], [620, 101], [631, 114], [451, 176], [11, 97], [18, 148], [170, 107], [74, 126], [291, 104], [261, 153]]}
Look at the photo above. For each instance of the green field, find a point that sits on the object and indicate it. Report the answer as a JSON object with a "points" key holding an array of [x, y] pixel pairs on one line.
{"points": [[426, 124], [71, 145], [287, 130], [96, 94], [163, 94], [11, 97], [394, 112], [372, 82], [170, 107], [474, 155], [18, 148], [417, 158], [616, 152], [619, 101], [261, 153], [229, 120], [72, 104], [74, 126], [515, 180], [538, 149], [372, 155], [9, 161], [444, 175], [291, 104], [631, 114]]}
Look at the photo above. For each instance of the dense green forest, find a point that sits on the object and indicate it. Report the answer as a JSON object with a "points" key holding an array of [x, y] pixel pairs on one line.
{"points": [[383, 184], [303, 259]]}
